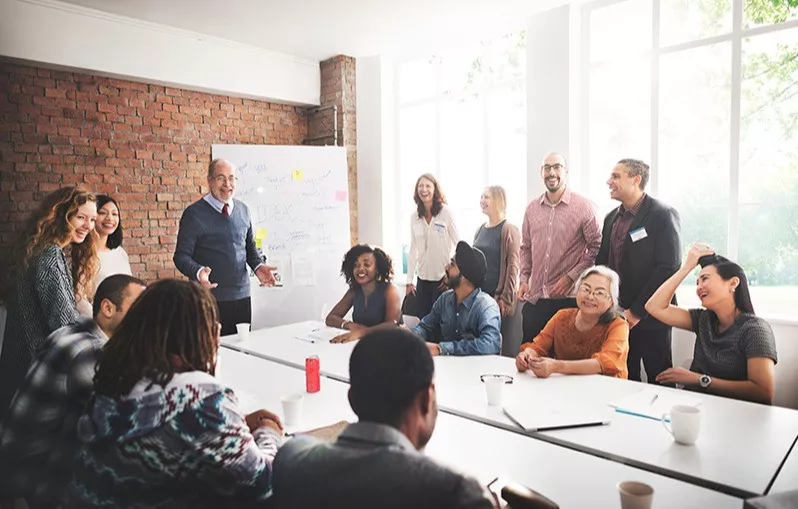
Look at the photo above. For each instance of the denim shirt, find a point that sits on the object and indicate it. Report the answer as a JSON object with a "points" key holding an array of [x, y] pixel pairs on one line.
{"points": [[470, 328]]}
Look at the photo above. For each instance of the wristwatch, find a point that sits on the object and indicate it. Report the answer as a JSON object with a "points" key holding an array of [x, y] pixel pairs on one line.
{"points": [[704, 381]]}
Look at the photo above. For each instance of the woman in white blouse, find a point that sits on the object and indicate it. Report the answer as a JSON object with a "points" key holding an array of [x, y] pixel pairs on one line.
{"points": [[433, 237], [113, 258]]}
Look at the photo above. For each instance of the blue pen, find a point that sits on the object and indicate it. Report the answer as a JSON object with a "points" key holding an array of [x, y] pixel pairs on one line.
{"points": [[628, 412]]}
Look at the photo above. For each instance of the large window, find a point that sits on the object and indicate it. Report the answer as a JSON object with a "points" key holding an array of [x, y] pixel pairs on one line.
{"points": [[706, 91], [461, 116]]}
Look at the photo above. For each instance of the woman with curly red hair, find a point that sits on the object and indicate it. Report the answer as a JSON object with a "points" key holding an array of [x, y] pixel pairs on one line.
{"points": [[38, 286]]}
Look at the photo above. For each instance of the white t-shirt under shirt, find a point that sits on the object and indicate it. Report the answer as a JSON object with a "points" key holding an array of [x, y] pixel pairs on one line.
{"points": [[431, 245], [112, 262]]}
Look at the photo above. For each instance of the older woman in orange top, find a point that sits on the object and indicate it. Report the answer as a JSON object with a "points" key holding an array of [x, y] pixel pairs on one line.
{"points": [[592, 339]]}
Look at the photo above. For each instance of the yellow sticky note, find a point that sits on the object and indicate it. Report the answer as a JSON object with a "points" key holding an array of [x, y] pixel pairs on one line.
{"points": [[259, 243], [297, 175], [260, 233]]}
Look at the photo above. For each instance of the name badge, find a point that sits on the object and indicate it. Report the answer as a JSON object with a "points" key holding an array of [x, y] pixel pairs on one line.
{"points": [[440, 227], [638, 234]]}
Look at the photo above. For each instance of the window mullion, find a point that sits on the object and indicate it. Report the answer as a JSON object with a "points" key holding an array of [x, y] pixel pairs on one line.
{"points": [[734, 135]]}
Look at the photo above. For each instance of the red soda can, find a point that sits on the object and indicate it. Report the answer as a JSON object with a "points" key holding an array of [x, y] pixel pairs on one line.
{"points": [[312, 374]]}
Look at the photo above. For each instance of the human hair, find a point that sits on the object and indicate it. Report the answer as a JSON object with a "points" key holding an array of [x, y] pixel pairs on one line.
{"points": [[114, 239], [727, 269], [114, 289], [438, 198], [382, 259], [171, 328], [387, 369], [216, 162], [499, 197], [635, 167], [49, 224], [615, 290]]}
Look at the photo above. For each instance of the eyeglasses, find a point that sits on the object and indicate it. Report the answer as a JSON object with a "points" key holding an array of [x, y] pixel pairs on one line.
{"points": [[549, 167], [598, 294], [221, 179]]}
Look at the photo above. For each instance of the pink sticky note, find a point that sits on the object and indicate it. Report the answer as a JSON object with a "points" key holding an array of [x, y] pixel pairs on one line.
{"points": [[340, 196]]}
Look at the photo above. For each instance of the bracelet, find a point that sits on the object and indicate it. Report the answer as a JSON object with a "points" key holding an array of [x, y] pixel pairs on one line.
{"points": [[343, 323]]}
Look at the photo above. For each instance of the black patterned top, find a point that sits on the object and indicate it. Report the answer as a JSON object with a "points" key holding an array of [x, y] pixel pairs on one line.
{"points": [[725, 354], [44, 301]]}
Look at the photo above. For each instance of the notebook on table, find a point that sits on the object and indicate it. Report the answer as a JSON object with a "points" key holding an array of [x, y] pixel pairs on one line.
{"points": [[652, 403], [321, 334], [542, 418]]}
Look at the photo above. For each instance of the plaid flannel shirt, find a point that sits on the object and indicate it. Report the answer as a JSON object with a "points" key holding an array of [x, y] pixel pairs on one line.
{"points": [[38, 437]]}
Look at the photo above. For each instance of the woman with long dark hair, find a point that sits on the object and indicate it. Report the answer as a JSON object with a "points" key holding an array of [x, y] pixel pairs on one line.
{"points": [[368, 272], [37, 284], [113, 257], [160, 431], [735, 350], [433, 237]]}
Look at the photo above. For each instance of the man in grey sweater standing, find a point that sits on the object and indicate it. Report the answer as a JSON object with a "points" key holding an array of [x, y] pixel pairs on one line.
{"points": [[215, 237]]}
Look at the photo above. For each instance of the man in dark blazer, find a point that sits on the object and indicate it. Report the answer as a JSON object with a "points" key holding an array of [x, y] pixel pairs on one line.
{"points": [[640, 241]]}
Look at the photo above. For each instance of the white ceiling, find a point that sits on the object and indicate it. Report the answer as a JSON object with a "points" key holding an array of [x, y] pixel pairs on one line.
{"points": [[319, 29]]}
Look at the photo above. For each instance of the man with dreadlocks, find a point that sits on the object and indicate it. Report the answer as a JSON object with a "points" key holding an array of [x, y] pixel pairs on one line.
{"points": [[160, 431]]}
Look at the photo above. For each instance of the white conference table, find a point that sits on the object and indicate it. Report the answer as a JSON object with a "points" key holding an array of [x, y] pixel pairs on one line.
{"points": [[572, 479], [787, 479], [739, 451]]}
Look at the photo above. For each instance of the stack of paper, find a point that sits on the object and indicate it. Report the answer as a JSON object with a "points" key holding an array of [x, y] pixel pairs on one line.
{"points": [[652, 403], [542, 418], [321, 334]]}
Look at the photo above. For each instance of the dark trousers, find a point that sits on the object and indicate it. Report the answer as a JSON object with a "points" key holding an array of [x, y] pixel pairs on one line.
{"points": [[537, 315], [232, 312], [426, 294], [654, 347]]}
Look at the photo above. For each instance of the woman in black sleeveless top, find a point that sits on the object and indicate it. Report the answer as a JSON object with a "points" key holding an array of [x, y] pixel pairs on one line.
{"points": [[368, 272]]}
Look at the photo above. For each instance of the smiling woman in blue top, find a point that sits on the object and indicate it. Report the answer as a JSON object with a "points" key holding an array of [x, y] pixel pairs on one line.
{"points": [[464, 320], [368, 272], [216, 237]]}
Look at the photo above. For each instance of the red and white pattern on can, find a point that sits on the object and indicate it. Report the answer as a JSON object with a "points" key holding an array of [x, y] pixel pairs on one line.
{"points": [[312, 374]]}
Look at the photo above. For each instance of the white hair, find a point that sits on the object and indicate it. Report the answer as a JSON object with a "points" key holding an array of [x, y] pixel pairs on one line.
{"points": [[615, 289]]}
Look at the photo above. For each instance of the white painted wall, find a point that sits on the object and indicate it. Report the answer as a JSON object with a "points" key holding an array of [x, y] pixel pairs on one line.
{"points": [[548, 90], [66, 36], [376, 177]]}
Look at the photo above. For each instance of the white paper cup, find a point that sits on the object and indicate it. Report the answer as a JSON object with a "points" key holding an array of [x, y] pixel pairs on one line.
{"points": [[243, 331], [494, 389], [292, 410], [685, 424], [635, 495]]}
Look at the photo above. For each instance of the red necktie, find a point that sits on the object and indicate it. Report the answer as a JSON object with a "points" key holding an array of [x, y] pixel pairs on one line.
{"points": [[225, 211]]}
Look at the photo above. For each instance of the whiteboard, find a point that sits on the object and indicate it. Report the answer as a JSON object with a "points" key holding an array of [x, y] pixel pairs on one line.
{"points": [[298, 199]]}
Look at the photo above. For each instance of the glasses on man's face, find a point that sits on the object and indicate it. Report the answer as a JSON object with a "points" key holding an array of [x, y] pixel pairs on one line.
{"points": [[599, 293], [221, 179], [549, 167]]}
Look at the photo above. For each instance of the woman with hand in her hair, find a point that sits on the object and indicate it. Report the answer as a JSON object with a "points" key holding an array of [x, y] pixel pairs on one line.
{"points": [[37, 285], [368, 272], [735, 350], [433, 237], [161, 431], [592, 338]]}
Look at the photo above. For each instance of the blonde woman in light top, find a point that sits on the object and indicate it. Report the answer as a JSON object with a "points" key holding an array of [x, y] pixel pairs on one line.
{"points": [[433, 237]]}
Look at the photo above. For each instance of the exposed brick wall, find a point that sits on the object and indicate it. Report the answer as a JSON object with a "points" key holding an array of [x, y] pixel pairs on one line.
{"points": [[148, 146], [338, 88]]}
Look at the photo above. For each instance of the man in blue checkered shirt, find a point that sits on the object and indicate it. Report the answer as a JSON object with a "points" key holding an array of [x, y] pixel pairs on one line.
{"points": [[38, 436]]}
